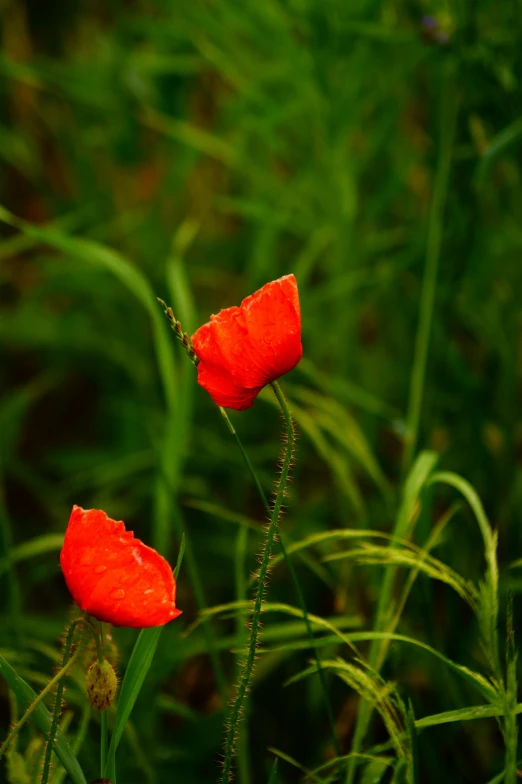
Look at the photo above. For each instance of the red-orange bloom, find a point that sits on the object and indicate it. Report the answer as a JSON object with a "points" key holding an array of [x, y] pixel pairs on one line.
{"points": [[113, 576], [242, 349]]}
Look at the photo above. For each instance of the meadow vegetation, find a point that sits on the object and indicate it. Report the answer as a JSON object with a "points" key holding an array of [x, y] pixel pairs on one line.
{"points": [[193, 152]]}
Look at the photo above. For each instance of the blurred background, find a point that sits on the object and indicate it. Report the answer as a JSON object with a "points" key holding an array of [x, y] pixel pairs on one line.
{"points": [[194, 151]]}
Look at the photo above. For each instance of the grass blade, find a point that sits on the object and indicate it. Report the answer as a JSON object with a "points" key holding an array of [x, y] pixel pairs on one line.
{"points": [[488, 610], [448, 119], [137, 669]]}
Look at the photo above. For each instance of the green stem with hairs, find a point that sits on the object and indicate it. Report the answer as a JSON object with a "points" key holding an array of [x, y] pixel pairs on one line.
{"points": [[59, 696], [243, 756], [104, 736], [36, 702], [271, 533], [290, 566]]}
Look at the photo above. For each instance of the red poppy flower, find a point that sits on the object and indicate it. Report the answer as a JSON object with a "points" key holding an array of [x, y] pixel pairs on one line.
{"points": [[242, 349], [113, 576]]}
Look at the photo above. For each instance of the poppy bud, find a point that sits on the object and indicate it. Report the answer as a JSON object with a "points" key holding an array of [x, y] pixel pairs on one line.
{"points": [[101, 684]]}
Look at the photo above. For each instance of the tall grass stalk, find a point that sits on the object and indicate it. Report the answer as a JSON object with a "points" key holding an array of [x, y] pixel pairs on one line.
{"points": [[448, 118]]}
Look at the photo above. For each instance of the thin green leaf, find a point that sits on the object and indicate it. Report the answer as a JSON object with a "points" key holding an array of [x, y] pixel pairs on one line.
{"points": [[137, 669], [502, 142], [488, 604], [374, 771], [273, 773], [485, 687], [295, 764], [181, 553], [463, 714], [384, 556]]}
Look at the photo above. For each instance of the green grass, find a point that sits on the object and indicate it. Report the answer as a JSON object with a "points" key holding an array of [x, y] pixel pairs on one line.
{"points": [[194, 151]]}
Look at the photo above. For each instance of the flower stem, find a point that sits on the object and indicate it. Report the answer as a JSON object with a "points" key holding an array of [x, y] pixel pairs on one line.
{"points": [[104, 738], [59, 696], [270, 537], [288, 561], [183, 337], [246, 458]]}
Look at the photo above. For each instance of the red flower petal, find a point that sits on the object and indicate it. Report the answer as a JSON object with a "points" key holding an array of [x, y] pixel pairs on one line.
{"points": [[113, 576], [242, 349]]}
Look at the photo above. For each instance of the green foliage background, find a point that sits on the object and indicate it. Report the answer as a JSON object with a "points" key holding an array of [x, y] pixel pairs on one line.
{"points": [[194, 151]]}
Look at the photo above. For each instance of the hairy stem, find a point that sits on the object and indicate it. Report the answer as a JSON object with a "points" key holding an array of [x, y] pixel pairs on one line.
{"points": [[58, 702], [270, 537], [293, 575]]}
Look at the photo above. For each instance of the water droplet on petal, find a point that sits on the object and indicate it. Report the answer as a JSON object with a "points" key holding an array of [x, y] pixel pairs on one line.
{"points": [[117, 593], [86, 560], [100, 569]]}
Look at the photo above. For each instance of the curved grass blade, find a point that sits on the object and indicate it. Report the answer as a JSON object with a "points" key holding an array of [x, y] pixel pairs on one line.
{"points": [[384, 556], [295, 764], [415, 481], [488, 603], [99, 255], [464, 714], [42, 719], [273, 774], [484, 686], [372, 689]]}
